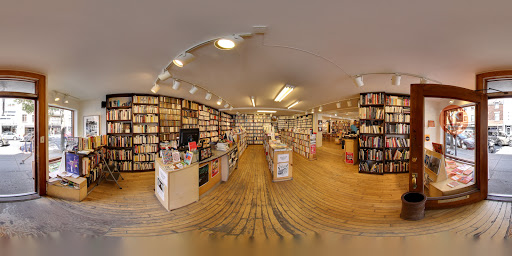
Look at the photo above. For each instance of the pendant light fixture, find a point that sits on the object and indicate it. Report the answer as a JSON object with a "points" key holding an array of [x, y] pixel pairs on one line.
{"points": [[183, 59], [156, 88], [176, 84], [395, 79], [208, 96], [165, 75], [228, 42], [193, 90]]}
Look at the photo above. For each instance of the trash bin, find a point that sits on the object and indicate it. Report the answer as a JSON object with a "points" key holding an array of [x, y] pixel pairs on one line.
{"points": [[413, 206]]}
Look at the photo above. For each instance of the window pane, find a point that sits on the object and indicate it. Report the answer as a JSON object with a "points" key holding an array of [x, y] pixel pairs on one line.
{"points": [[17, 86], [59, 128]]}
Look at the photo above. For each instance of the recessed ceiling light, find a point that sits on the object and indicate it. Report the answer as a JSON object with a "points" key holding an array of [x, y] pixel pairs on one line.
{"points": [[183, 59], [266, 111], [156, 88], [335, 114], [253, 103], [165, 75], [292, 105], [228, 42], [176, 85], [284, 92]]}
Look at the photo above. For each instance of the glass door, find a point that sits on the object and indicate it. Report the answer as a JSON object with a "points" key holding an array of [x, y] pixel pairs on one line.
{"points": [[448, 145]]}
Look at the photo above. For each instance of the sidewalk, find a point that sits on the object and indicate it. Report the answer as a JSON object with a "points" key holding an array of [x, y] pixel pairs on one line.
{"points": [[15, 178]]}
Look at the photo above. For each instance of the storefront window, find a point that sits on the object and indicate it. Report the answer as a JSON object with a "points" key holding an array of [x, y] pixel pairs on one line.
{"points": [[60, 127]]}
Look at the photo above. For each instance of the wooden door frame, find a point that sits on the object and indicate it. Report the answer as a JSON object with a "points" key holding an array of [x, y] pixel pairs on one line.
{"points": [[418, 94], [40, 127]]}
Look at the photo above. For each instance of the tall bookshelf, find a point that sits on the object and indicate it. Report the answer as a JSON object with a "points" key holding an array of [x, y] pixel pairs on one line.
{"points": [[145, 131], [286, 122], [299, 140], [305, 122], [189, 114], [213, 125], [226, 122], [384, 133], [170, 118], [204, 123], [119, 131]]}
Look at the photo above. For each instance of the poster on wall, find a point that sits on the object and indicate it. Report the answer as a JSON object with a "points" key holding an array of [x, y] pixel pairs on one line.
{"points": [[215, 167], [203, 174], [72, 164], [91, 126], [349, 157], [282, 170]]}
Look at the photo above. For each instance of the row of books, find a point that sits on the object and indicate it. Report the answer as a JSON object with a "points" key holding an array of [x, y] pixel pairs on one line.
{"points": [[119, 114], [189, 120], [397, 142], [371, 98], [170, 123], [169, 117], [148, 148], [119, 141], [150, 118], [144, 157], [398, 118], [397, 154], [119, 128], [398, 100], [189, 105], [170, 106], [166, 100], [138, 166], [89, 143], [398, 128], [145, 128], [169, 129], [370, 141], [121, 165], [145, 99], [168, 137], [371, 154], [371, 113], [394, 109], [395, 167], [145, 109], [119, 154], [119, 102], [145, 139], [371, 128], [165, 111], [371, 168]]}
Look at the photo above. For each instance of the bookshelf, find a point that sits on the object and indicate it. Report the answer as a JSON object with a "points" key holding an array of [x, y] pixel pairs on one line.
{"points": [[146, 122], [189, 114], [253, 124], [226, 122], [119, 131], [213, 125], [204, 123], [300, 140], [305, 122], [384, 133], [286, 122], [170, 118]]}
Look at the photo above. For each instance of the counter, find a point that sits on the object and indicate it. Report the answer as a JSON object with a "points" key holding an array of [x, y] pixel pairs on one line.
{"points": [[351, 150], [279, 158]]}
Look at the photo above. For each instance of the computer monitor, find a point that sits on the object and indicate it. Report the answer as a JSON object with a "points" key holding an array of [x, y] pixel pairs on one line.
{"points": [[188, 135]]}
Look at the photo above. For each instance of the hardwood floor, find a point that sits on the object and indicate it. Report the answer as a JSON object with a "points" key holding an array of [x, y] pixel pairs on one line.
{"points": [[325, 197]]}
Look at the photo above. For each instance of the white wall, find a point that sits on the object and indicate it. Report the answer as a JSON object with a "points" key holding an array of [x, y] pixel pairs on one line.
{"points": [[433, 108], [92, 108]]}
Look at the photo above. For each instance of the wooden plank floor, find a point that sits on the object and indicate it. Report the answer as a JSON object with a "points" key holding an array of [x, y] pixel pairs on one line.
{"points": [[325, 196]]}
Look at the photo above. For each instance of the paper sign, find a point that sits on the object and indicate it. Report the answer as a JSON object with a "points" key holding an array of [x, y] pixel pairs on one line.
{"points": [[349, 157], [283, 158], [282, 170], [313, 149], [215, 167], [162, 175], [160, 189]]}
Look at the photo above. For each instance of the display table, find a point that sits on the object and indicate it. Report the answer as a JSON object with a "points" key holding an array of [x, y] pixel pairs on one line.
{"points": [[279, 158], [181, 187], [351, 150]]}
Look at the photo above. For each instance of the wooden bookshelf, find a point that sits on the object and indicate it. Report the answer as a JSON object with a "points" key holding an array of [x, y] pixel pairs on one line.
{"points": [[226, 122], [384, 124], [300, 140], [170, 118], [146, 122], [189, 114], [119, 131]]}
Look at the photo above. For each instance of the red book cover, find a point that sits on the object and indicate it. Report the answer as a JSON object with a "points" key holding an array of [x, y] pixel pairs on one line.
{"points": [[192, 146], [456, 177], [465, 179], [468, 172], [457, 171]]}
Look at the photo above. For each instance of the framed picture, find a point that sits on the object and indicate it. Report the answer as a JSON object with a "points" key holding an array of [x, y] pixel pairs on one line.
{"points": [[91, 126]]}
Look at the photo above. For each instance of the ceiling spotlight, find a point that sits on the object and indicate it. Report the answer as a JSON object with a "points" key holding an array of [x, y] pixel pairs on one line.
{"points": [[57, 98], [219, 101], [228, 42], [183, 59], [320, 109], [193, 89], [231, 108], [395, 79], [349, 103], [165, 75], [155, 88], [338, 105], [359, 80], [284, 92], [226, 105], [291, 106], [312, 111], [266, 111], [66, 99], [208, 96], [335, 114], [253, 103], [176, 85], [423, 80], [451, 101]]}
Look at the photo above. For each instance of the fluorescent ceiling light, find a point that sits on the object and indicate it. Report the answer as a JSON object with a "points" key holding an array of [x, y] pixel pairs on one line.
{"points": [[228, 42], [219, 101], [208, 96], [359, 80], [266, 111], [395, 79], [155, 88], [183, 59], [284, 92], [253, 103], [165, 75], [292, 105], [193, 90], [176, 84]]}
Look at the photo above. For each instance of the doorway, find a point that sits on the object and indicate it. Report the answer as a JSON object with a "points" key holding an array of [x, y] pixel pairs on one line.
{"points": [[23, 135]]}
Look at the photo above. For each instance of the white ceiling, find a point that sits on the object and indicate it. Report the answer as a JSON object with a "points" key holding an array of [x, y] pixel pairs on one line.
{"points": [[95, 47]]}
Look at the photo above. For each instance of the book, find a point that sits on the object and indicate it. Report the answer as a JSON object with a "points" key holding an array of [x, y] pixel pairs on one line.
{"points": [[468, 172], [452, 184], [465, 179], [176, 156], [167, 156], [455, 177], [192, 146], [188, 157]]}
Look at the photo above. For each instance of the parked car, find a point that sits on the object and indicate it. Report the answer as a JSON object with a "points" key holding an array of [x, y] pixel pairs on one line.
{"points": [[11, 136], [465, 142], [490, 145], [502, 139]]}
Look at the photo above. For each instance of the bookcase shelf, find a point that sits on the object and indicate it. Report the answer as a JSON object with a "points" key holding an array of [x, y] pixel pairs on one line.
{"points": [[389, 113]]}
